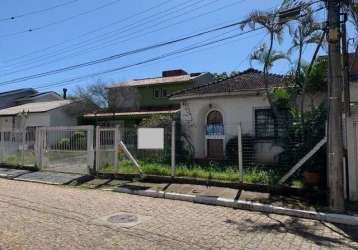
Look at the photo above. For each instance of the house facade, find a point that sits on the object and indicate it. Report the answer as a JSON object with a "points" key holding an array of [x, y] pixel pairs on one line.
{"points": [[39, 114], [131, 101], [211, 115]]}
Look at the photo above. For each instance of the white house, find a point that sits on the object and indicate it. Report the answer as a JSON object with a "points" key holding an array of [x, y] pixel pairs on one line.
{"points": [[37, 114], [211, 114]]}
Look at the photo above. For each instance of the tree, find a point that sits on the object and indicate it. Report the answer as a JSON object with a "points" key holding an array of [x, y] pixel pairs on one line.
{"points": [[270, 21], [100, 96], [307, 32], [94, 95]]}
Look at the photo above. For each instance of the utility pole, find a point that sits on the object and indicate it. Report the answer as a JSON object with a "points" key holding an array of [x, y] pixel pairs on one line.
{"points": [[335, 132]]}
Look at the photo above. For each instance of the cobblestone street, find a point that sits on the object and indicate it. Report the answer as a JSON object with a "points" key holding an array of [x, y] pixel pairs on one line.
{"points": [[37, 216]]}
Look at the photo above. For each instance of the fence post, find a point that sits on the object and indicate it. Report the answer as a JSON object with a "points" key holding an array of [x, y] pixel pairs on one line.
{"points": [[97, 150], [117, 135], [90, 150], [239, 149], [173, 150], [2, 144], [23, 146]]}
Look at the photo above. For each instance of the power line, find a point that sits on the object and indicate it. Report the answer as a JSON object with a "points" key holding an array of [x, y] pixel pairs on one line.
{"points": [[116, 56], [34, 12], [89, 32], [60, 21], [105, 45], [128, 28], [153, 59], [69, 81], [119, 55]]}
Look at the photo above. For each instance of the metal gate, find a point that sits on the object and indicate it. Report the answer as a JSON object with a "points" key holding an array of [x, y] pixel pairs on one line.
{"points": [[111, 152], [66, 149], [17, 147], [107, 140]]}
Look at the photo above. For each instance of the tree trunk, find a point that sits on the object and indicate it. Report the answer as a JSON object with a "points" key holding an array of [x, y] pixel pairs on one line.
{"points": [[303, 93], [267, 87]]}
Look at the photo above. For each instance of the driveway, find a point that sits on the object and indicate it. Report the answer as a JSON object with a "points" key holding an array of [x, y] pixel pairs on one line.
{"points": [[38, 216]]}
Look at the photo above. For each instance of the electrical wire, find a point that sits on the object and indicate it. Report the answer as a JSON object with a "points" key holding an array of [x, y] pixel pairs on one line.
{"points": [[34, 12], [60, 21], [116, 56], [105, 45], [99, 40]]}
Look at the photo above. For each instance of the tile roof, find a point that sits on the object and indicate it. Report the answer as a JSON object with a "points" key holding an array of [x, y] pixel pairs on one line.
{"points": [[155, 80], [250, 79], [35, 107]]}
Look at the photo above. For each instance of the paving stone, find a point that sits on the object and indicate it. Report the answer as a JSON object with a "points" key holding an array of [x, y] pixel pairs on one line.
{"points": [[49, 177], [12, 173]]}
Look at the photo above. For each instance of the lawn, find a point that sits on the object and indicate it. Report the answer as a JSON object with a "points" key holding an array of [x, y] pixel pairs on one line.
{"points": [[262, 175]]}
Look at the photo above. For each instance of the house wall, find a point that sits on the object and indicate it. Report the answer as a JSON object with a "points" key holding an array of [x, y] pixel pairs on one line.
{"points": [[59, 117], [135, 98], [147, 98], [235, 110], [352, 141], [354, 90]]}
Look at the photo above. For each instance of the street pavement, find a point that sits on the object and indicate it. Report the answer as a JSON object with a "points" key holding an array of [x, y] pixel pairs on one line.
{"points": [[39, 216]]}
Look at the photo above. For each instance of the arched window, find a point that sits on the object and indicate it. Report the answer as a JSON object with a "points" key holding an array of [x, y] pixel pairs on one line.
{"points": [[214, 118], [214, 123]]}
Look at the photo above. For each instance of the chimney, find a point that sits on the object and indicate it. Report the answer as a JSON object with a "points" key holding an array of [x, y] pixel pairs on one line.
{"points": [[64, 93], [174, 72]]}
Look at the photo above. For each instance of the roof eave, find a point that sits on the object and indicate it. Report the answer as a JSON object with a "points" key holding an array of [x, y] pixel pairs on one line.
{"points": [[249, 92]]}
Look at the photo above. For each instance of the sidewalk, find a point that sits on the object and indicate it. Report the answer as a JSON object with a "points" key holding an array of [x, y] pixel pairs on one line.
{"points": [[205, 191]]}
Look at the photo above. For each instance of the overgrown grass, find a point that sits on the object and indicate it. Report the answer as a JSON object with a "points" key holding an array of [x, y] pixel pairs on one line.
{"points": [[262, 175]]}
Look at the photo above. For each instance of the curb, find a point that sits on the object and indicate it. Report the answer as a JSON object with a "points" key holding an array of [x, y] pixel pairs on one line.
{"points": [[245, 205]]}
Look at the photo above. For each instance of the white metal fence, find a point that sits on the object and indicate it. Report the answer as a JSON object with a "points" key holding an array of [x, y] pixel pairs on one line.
{"points": [[66, 149], [18, 147]]}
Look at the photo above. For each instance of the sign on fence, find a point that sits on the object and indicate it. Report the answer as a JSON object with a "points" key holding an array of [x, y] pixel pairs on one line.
{"points": [[151, 138]]}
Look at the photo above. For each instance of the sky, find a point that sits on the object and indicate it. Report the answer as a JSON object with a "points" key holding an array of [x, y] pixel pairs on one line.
{"points": [[47, 35]]}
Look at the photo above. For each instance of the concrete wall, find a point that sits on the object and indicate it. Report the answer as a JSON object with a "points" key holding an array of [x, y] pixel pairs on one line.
{"points": [[235, 110]]}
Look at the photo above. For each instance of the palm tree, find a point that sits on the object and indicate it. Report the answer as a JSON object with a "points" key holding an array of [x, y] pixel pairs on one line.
{"points": [[262, 55], [270, 21], [307, 32]]}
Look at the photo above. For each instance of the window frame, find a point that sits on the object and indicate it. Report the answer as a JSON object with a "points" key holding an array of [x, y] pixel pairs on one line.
{"points": [[276, 129]]}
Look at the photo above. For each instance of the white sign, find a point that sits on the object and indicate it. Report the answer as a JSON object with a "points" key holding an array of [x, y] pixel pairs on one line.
{"points": [[151, 138]]}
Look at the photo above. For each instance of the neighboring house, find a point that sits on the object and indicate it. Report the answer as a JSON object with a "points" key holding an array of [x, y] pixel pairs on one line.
{"points": [[211, 114], [131, 101], [9, 98], [38, 114], [39, 97], [27, 95]]}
